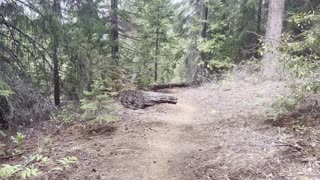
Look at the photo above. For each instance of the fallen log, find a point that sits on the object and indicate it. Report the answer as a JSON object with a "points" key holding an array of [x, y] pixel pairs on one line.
{"points": [[171, 85], [138, 99]]}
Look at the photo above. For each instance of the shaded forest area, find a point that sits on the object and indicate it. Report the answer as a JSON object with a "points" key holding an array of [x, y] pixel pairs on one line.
{"points": [[61, 51], [71, 60]]}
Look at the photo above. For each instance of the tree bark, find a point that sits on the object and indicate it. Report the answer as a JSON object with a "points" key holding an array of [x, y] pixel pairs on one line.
{"points": [[271, 64], [191, 64], [114, 33], [170, 85], [55, 28], [157, 56], [157, 48], [136, 99], [56, 77], [259, 19], [259, 29], [204, 35], [205, 12]]}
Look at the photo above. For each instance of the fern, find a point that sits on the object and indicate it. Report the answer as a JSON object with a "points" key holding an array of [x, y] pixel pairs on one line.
{"points": [[18, 139], [29, 172], [67, 161], [8, 170], [40, 158]]}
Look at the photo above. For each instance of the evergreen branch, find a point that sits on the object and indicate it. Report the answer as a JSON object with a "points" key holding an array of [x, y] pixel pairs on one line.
{"points": [[20, 44], [34, 42], [21, 32]]}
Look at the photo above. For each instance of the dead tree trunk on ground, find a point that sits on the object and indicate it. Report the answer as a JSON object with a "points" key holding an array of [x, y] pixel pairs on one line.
{"points": [[170, 85], [137, 99]]}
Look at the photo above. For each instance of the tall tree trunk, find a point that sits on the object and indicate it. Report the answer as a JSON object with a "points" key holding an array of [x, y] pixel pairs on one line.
{"points": [[205, 12], [56, 77], [157, 48], [271, 64], [259, 30], [157, 56], [56, 38], [259, 18], [204, 35], [114, 33], [191, 64]]}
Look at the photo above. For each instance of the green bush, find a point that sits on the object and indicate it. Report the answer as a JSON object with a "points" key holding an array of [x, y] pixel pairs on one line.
{"points": [[97, 105], [301, 53]]}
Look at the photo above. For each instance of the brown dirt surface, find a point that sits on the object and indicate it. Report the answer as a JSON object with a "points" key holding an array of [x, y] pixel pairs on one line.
{"points": [[216, 131]]}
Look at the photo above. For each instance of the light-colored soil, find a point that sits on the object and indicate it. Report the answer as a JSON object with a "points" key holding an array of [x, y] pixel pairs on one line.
{"points": [[217, 131]]}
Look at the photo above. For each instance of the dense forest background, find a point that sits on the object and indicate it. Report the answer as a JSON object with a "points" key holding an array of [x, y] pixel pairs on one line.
{"points": [[249, 106], [64, 51]]}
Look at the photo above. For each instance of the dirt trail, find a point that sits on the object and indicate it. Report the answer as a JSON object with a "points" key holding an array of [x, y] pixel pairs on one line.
{"points": [[165, 144], [210, 134], [217, 131]]}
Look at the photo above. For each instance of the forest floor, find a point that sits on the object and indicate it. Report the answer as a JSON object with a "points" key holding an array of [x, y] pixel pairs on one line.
{"points": [[216, 131]]}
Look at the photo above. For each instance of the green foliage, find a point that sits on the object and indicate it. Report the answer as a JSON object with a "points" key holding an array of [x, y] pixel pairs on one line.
{"points": [[8, 171], [24, 170], [221, 66], [104, 119], [67, 161], [229, 38], [5, 93], [39, 158], [283, 105], [5, 89], [301, 52], [67, 115], [90, 106], [29, 172], [2, 133], [154, 22], [82, 33], [18, 138], [98, 104], [2, 152], [30, 168]]}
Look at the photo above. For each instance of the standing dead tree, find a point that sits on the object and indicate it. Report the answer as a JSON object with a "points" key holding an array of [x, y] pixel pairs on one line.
{"points": [[271, 64]]}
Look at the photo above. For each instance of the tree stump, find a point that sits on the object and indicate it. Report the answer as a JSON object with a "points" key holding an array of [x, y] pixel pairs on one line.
{"points": [[138, 99]]}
